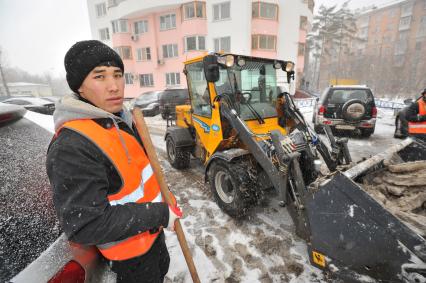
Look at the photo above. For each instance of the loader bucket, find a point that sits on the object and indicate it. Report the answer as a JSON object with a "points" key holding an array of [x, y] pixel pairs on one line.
{"points": [[356, 239]]}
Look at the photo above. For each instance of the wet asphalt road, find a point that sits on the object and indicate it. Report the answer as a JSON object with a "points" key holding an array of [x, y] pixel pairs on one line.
{"points": [[28, 223]]}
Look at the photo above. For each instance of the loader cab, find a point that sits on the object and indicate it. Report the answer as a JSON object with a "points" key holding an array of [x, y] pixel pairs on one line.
{"points": [[247, 84]]}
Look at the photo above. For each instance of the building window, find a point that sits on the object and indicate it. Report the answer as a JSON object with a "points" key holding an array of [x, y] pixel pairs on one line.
{"points": [[222, 44], [303, 23], [222, 11], [407, 9], [119, 26], [146, 80], [168, 22], [422, 27], [195, 43], [172, 79], [143, 54], [104, 34], [100, 10], [141, 27], [265, 10], [170, 50], [194, 10], [128, 77], [262, 41], [301, 49], [125, 52]]}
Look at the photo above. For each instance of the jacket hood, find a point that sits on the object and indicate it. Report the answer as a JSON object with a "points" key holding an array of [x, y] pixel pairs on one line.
{"points": [[71, 108]]}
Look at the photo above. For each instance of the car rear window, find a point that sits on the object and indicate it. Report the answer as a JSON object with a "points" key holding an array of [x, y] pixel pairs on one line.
{"points": [[343, 95]]}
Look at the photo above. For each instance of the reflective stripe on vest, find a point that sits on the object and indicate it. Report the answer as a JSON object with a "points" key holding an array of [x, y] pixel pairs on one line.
{"points": [[418, 127], [139, 183]]}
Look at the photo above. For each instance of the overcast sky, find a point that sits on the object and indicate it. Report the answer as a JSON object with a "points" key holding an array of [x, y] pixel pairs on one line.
{"points": [[35, 34]]}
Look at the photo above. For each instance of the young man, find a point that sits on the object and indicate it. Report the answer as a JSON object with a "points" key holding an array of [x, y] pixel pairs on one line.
{"points": [[416, 117], [105, 192]]}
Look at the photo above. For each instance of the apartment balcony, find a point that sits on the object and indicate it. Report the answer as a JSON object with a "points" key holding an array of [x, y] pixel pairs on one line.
{"points": [[126, 9], [404, 23]]}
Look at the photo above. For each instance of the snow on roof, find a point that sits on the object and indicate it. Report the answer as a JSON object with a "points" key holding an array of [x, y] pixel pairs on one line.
{"points": [[377, 7]]}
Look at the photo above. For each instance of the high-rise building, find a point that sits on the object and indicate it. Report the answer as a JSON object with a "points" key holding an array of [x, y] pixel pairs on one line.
{"points": [[155, 37]]}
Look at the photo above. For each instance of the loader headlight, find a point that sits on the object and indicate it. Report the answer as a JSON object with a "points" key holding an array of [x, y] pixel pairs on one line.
{"points": [[241, 61], [289, 67], [277, 65], [227, 60]]}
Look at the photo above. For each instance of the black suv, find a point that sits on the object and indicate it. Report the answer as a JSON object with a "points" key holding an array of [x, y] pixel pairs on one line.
{"points": [[346, 108], [168, 100]]}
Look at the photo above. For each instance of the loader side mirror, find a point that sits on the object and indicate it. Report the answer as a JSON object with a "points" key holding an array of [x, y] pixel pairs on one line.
{"points": [[211, 68], [290, 76]]}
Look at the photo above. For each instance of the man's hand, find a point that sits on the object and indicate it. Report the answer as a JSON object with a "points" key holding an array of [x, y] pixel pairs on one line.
{"points": [[174, 213]]}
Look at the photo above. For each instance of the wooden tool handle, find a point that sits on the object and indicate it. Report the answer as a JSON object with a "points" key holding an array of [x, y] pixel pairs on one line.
{"points": [[152, 155]]}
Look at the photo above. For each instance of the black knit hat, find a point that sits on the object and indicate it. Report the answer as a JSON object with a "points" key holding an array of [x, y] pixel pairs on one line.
{"points": [[424, 91], [86, 55]]}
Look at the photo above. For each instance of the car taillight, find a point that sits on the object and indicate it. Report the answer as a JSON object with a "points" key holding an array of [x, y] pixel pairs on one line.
{"points": [[321, 110], [374, 112], [72, 272]]}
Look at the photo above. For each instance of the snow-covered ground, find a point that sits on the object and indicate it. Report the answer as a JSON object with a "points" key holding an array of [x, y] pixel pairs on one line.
{"points": [[263, 246]]}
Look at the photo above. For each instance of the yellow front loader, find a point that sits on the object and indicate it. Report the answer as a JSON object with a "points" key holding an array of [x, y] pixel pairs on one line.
{"points": [[251, 137]]}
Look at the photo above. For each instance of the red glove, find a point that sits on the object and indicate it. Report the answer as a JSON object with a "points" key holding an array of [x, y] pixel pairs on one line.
{"points": [[174, 213]]}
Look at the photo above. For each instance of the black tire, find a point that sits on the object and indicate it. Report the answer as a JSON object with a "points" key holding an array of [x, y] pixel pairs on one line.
{"points": [[359, 110], [366, 133], [163, 115], [178, 157], [397, 134], [318, 129], [232, 187]]}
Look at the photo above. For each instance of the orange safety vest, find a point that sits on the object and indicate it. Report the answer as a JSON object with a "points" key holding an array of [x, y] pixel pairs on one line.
{"points": [[139, 182], [418, 127]]}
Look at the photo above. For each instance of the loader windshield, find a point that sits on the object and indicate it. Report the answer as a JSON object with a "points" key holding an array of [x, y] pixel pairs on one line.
{"points": [[253, 84]]}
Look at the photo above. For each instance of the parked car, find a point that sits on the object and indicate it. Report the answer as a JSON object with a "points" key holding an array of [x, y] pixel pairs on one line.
{"points": [[52, 98], [36, 104], [169, 98], [401, 123], [345, 107], [10, 112], [148, 102]]}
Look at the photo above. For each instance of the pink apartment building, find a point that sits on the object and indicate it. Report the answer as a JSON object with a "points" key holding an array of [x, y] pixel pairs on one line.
{"points": [[154, 38]]}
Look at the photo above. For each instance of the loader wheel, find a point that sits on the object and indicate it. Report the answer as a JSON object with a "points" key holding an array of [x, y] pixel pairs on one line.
{"points": [[178, 157], [231, 187]]}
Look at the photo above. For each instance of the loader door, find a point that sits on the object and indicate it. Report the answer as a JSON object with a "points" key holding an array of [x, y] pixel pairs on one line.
{"points": [[206, 119]]}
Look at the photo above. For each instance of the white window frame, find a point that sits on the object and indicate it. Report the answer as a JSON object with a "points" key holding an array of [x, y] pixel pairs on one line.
{"points": [[119, 26], [124, 50], [220, 7], [104, 34], [100, 10], [128, 78], [261, 5], [197, 43], [143, 53], [140, 27], [171, 50], [257, 37], [173, 79], [218, 43], [193, 6], [169, 21], [146, 80]]}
